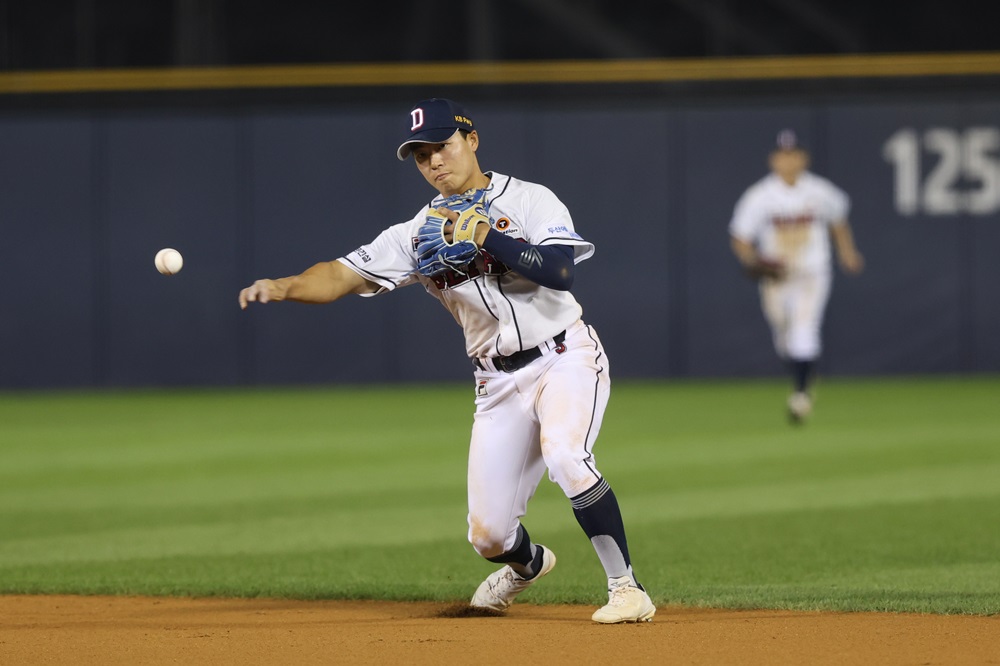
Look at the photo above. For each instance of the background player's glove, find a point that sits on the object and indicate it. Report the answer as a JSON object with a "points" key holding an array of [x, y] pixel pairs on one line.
{"points": [[765, 268], [434, 254]]}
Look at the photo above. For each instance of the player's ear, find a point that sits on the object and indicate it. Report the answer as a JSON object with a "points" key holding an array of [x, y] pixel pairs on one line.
{"points": [[473, 140]]}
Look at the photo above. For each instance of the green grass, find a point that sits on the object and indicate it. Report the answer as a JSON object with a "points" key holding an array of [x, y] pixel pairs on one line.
{"points": [[888, 499]]}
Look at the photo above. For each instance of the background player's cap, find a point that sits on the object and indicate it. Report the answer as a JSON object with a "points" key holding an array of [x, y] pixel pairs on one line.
{"points": [[788, 140], [433, 121]]}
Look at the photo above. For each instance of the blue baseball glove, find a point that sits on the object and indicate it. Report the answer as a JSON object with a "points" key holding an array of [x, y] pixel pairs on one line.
{"points": [[434, 254]]}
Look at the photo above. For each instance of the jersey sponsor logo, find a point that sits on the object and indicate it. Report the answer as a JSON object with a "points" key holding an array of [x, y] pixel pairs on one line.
{"points": [[560, 229], [507, 226], [363, 255]]}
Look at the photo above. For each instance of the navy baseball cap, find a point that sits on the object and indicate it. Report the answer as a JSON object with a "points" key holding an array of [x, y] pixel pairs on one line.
{"points": [[433, 121], [788, 140]]}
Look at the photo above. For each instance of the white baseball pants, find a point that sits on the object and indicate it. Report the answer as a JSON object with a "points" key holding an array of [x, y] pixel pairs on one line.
{"points": [[794, 309], [545, 415]]}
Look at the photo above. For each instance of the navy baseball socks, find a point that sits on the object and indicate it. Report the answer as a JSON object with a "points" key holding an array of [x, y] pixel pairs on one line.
{"points": [[802, 372], [599, 515], [800, 402], [526, 563]]}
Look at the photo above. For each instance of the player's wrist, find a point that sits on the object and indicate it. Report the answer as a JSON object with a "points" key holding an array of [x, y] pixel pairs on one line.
{"points": [[481, 233]]}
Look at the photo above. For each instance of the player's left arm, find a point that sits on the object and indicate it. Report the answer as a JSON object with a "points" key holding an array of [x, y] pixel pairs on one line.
{"points": [[550, 265], [850, 259]]}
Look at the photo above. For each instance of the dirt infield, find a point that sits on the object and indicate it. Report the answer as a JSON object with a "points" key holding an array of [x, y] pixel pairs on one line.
{"points": [[127, 630]]}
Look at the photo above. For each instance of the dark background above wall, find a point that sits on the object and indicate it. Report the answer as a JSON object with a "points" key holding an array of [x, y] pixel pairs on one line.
{"points": [[69, 34]]}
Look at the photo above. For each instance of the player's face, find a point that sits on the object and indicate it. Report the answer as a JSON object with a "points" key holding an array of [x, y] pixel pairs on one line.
{"points": [[789, 163], [450, 167]]}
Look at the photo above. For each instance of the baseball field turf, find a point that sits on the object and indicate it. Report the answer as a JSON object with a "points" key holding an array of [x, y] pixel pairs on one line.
{"points": [[887, 499]]}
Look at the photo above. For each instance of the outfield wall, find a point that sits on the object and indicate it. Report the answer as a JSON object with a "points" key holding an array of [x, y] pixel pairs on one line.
{"points": [[91, 190]]}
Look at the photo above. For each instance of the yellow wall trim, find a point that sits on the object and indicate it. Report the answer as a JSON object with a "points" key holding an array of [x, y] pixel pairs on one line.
{"points": [[479, 73]]}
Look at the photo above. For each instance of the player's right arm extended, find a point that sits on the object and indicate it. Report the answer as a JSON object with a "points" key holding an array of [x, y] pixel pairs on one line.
{"points": [[324, 282]]}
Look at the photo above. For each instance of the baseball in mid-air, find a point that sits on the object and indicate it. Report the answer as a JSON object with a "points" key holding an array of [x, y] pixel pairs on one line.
{"points": [[169, 261]]}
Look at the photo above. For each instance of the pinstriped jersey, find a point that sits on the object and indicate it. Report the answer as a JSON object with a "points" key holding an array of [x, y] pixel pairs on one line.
{"points": [[500, 311], [791, 222]]}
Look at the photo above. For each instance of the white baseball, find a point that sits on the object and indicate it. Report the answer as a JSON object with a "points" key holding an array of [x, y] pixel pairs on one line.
{"points": [[168, 261]]}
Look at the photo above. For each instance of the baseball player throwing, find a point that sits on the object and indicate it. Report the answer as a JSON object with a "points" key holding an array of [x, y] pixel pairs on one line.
{"points": [[780, 232], [499, 254]]}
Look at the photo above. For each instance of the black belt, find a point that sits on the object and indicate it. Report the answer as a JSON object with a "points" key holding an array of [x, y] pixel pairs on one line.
{"points": [[520, 359]]}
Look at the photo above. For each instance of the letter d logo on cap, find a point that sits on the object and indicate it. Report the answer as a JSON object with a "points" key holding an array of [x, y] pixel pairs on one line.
{"points": [[418, 119]]}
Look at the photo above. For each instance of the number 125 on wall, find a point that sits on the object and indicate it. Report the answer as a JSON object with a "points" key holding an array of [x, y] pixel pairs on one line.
{"points": [[964, 172]]}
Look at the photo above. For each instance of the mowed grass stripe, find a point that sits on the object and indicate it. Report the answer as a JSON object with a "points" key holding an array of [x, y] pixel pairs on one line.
{"points": [[287, 533], [224, 481], [883, 501]]}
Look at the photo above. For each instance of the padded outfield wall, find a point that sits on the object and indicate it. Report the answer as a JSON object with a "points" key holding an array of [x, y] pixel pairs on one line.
{"points": [[251, 185]]}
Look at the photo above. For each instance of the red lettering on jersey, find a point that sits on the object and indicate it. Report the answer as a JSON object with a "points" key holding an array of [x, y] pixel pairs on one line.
{"points": [[485, 264], [792, 220], [492, 265]]}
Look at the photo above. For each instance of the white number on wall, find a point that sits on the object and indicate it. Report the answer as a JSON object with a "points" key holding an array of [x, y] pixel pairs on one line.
{"points": [[964, 176]]}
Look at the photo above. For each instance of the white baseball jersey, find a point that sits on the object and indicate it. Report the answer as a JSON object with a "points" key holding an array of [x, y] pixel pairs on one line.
{"points": [[500, 312], [791, 222]]}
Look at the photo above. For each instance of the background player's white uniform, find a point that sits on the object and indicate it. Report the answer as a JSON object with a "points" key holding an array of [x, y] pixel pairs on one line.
{"points": [[791, 223], [535, 417]]}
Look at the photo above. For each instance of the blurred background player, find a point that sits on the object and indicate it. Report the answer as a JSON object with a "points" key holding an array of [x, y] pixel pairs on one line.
{"points": [[780, 232]]}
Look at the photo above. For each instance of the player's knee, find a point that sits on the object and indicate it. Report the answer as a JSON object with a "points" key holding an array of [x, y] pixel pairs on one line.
{"points": [[569, 473], [489, 547], [804, 347], [487, 541]]}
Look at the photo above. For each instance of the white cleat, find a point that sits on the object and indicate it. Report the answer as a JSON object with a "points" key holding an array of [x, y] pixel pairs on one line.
{"points": [[799, 406], [626, 603], [500, 588]]}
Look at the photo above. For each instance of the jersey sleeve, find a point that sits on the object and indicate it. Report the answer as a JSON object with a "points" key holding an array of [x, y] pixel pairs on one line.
{"points": [[389, 260], [551, 224], [748, 216], [840, 204]]}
